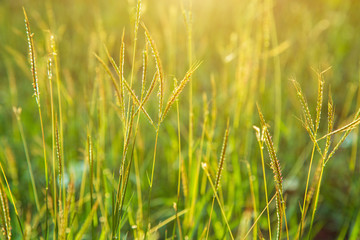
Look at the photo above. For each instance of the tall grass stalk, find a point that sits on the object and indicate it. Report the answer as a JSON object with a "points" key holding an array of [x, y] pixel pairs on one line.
{"points": [[136, 28], [50, 76], [54, 67], [260, 139], [188, 23], [312, 129], [303, 212], [162, 113], [37, 98], [346, 129], [46, 172], [180, 167], [275, 166], [94, 192], [143, 83], [123, 178]]}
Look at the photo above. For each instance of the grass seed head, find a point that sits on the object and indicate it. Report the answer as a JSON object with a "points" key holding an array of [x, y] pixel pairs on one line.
{"points": [[179, 89], [274, 161], [222, 157], [158, 67], [304, 105], [32, 58]]}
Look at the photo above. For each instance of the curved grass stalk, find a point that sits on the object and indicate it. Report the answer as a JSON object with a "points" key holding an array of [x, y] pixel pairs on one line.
{"points": [[204, 166], [166, 221], [257, 219]]}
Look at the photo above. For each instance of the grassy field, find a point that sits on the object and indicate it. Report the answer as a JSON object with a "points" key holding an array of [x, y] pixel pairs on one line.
{"points": [[179, 119]]}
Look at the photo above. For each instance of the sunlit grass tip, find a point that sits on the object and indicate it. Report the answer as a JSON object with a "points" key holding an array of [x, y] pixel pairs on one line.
{"points": [[32, 58]]}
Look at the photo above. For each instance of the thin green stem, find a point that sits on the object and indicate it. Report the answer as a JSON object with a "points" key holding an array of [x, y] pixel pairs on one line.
{"points": [[152, 179], [179, 173], [46, 172], [257, 219], [306, 192], [316, 201], [188, 23], [28, 160], [53, 144], [265, 187], [219, 202]]}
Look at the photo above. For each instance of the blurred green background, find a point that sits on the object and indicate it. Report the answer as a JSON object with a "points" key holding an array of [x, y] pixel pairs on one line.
{"points": [[251, 49]]}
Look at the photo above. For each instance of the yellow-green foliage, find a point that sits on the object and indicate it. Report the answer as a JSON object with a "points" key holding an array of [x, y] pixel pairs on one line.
{"points": [[142, 101]]}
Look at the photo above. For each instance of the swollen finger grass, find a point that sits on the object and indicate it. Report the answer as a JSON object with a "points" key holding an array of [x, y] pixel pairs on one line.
{"points": [[312, 130], [324, 153]]}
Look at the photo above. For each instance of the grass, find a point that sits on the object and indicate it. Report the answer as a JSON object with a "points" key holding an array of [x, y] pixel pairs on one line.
{"points": [[140, 120]]}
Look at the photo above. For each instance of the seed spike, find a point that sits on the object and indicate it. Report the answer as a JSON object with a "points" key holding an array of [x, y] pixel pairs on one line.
{"points": [[32, 58]]}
